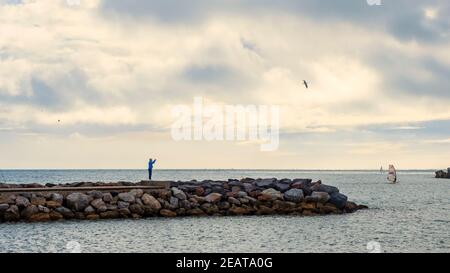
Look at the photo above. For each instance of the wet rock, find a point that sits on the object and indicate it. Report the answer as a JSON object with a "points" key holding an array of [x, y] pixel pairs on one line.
{"points": [[223, 205], [282, 187], [321, 197], [179, 194], [338, 199], [22, 202], [234, 210], [200, 191], [196, 212], [167, 213], [213, 197], [294, 195], [126, 197], [3, 207], [93, 217], [12, 214], [151, 201], [350, 207], [77, 201]]}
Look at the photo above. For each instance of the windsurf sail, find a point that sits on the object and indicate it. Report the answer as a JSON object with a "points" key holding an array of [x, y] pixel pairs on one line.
{"points": [[392, 176]]}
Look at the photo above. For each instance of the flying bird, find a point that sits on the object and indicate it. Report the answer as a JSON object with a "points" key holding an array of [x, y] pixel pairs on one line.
{"points": [[306, 84]]}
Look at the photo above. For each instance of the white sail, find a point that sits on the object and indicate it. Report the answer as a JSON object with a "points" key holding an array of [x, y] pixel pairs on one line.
{"points": [[392, 176]]}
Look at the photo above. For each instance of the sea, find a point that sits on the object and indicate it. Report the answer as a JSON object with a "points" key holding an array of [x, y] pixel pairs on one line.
{"points": [[410, 216]]}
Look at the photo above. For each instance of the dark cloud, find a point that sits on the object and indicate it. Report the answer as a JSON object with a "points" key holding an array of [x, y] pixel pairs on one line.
{"points": [[402, 18]]}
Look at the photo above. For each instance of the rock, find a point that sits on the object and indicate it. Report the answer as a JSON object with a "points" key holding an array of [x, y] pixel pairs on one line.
{"points": [[234, 201], [55, 216], [249, 187], [151, 201], [93, 217], [294, 195], [338, 199], [321, 197], [167, 213], [136, 209], [303, 184], [77, 201], [137, 193], [43, 209], [264, 210], [178, 194], [362, 207], [196, 212], [223, 205], [235, 189], [38, 201], [57, 198], [266, 183], [329, 208], [350, 207], [40, 217], [98, 203], [22, 202], [29, 211], [127, 197], [95, 194], [107, 197], [324, 188], [234, 210], [124, 212], [271, 194], [67, 213], [200, 191], [174, 202], [213, 197], [3, 207], [8, 199], [123, 205], [89, 210], [12, 214], [52, 204], [282, 187], [110, 214]]}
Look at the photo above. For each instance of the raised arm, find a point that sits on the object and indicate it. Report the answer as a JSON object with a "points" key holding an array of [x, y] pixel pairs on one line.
{"points": [[154, 161]]}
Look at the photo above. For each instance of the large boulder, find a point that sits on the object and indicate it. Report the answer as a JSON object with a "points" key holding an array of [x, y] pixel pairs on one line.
{"points": [[29, 211], [324, 188], [266, 183], [22, 202], [179, 193], [38, 201], [151, 201], [127, 197], [283, 186], [12, 214], [321, 197], [338, 199], [294, 195], [77, 201], [65, 212], [213, 197], [270, 195]]}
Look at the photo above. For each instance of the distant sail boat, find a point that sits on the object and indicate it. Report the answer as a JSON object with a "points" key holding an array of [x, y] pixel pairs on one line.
{"points": [[392, 176]]}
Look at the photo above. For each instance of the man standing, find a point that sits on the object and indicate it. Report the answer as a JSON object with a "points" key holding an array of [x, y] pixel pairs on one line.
{"points": [[150, 168]]}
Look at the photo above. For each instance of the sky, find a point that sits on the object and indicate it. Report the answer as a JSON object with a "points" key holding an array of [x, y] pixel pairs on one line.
{"points": [[91, 84]]}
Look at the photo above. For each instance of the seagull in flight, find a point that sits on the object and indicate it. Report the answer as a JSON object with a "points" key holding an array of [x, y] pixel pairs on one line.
{"points": [[306, 84]]}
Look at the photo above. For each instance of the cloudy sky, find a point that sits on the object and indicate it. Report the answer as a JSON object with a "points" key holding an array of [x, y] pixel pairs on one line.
{"points": [[91, 84]]}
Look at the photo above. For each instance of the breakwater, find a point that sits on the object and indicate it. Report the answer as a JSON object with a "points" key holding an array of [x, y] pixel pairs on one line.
{"points": [[93, 201], [443, 174]]}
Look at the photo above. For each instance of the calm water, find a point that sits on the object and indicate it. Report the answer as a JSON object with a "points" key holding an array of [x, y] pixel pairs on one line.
{"points": [[412, 216]]}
